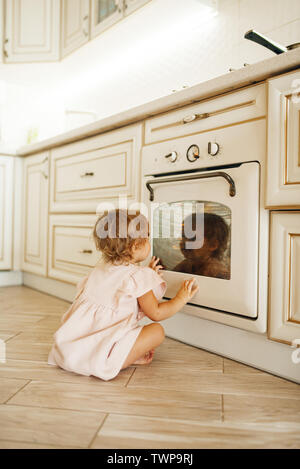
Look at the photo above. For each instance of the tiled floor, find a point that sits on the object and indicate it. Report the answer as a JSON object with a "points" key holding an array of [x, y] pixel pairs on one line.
{"points": [[186, 398]]}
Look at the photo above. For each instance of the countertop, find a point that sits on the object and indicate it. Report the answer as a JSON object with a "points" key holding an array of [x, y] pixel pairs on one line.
{"points": [[245, 76]]}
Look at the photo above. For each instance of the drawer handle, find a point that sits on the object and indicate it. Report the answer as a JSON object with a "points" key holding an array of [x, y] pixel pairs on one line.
{"points": [[86, 174], [193, 117], [86, 251]]}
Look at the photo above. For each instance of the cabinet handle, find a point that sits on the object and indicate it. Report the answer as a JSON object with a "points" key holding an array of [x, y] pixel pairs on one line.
{"points": [[86, 174], [86, 251], [44, 174], [193, 117], [86, 32], [4, 49]]}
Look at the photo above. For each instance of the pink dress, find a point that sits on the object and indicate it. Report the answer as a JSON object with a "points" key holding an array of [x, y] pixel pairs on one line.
{"points": [[101, 326]]}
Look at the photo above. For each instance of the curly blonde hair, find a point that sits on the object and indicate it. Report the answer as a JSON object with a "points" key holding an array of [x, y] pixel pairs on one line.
{"points": [[116, 232]]}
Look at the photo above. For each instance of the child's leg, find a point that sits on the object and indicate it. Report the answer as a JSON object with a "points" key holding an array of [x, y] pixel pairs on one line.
{"points": [[150, 337]]}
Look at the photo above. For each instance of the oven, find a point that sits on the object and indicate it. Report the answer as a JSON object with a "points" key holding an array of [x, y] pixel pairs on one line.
{"points": [[203, 195]]}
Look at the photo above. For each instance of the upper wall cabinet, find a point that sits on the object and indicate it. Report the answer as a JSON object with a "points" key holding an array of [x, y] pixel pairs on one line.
{"points": [[283, 175], [31, 30], [47, 30], [132, 5], [104, 13], [74, 25]]}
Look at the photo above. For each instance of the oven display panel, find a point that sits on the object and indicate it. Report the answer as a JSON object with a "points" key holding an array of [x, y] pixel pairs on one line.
{"points": [[194, 237]]}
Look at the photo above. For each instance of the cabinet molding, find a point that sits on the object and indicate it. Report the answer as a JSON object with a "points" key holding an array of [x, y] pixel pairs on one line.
{"points": [[6, 211], [284, 293], [35, 213], [74, 25], [283, 175], [32, 30]]}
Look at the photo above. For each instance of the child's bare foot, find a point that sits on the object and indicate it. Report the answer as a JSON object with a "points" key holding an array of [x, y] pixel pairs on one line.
{"points": [[147, 358]]}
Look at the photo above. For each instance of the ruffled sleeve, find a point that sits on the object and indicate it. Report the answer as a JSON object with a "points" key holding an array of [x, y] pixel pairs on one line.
{"points": [[145, 279]]}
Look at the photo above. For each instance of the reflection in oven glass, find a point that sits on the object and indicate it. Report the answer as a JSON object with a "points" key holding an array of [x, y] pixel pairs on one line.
{"points": [[173, 242]]}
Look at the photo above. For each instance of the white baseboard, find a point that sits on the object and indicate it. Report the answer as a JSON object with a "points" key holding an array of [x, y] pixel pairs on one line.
{"points": [[11, 277], [243, 346]]}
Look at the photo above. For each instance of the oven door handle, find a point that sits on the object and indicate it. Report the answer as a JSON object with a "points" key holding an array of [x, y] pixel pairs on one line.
{"points": [[232, 189]]}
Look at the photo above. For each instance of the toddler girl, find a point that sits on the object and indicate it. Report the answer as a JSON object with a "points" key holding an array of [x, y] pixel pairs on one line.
{"points": [[100, 334]]}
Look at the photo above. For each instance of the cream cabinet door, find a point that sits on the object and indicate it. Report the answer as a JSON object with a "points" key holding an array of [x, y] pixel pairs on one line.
{"points": [[6, 211], [105, 13], [35, 213], [95, 170], [32, 30], [75, 24], [283, 169], [284, 291], [132, 5], [72, 252]]}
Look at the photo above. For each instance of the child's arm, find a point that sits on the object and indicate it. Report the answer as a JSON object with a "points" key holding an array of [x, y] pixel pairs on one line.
{"points": [[159, 311]]}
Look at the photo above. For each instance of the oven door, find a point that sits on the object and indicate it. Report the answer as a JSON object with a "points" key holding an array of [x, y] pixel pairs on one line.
{"points": [[205, 225]]}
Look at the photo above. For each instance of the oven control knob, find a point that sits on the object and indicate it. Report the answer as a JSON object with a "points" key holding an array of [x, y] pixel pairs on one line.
{"points": [[213, 148], [172, 156], [193, 153]]}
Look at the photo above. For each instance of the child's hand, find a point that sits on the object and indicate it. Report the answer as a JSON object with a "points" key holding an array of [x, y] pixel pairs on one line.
{"points": [[154, 265], [187, 290]]}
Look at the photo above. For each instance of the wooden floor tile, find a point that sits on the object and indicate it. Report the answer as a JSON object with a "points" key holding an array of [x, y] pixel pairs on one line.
{"points": [[9, 387], [17, 322], [186, 398], [106, 398], [255, 384], [8, 444], [277, 411], [126, 431], [6, 335], [174, 354], [40, 370], [59, 427], [232, 367]]}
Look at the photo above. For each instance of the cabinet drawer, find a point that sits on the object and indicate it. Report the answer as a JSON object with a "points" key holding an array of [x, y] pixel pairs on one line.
{"points": [[72, 252], [284, 294], [208, 115], [95, 169]]}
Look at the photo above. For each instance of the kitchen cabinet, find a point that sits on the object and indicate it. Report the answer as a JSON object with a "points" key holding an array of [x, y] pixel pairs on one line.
{"points": [[75, 25], [35, 213], [31, 30], [72, 252], [283, 174], [6, 211], [132, 5], [104, 13], [48, 30], [284, 293], [96, 169]]}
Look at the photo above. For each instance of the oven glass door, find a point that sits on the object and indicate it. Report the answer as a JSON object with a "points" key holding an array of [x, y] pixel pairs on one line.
{"points": [[200, 229]]}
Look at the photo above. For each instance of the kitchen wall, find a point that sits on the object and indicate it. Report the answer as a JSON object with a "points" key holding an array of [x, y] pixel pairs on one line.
{"points": [[164, 46]]}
